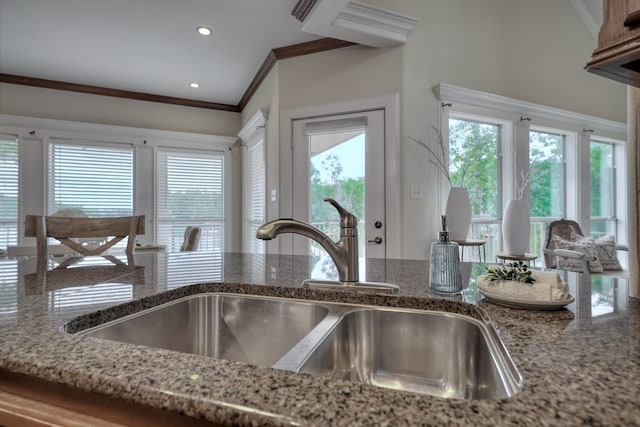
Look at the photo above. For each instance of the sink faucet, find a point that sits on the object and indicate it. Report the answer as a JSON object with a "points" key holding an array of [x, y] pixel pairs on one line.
{"points": [[344, 252]]}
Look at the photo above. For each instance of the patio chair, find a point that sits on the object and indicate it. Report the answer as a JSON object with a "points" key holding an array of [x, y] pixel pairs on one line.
{"points": [[568, 230], [65, 229]]}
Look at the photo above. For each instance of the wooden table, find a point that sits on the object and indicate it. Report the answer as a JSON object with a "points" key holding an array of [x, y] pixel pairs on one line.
{"points": [[472, 242], [526, 257]]}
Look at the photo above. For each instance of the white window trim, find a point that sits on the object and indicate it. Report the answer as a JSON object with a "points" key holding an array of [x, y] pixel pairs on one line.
{"points": [[391, 106], [578, 129], [252, 133], [33, 136]]}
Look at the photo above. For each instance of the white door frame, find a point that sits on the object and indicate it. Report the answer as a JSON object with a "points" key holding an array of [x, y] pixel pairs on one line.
{"points": [[390, 106]]}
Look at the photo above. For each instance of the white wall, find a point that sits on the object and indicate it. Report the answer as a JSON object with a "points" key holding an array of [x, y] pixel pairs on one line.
{"points": [[534, 51], [18, 100]]}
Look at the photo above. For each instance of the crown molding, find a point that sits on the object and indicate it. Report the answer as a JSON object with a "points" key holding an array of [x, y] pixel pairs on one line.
{"points": [[291, 51], [274, 55], [302, 9], [118, 93], [358, 23]]}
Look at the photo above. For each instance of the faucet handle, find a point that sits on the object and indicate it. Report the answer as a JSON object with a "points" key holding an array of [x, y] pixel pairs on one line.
{"points": [[347, 219]]}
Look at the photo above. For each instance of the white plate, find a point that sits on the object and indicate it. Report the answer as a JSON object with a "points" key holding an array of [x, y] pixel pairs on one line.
{"points": [[526, 304]]}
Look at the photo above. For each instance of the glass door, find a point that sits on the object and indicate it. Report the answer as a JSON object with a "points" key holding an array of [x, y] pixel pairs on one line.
{"points": [[341, 157]]}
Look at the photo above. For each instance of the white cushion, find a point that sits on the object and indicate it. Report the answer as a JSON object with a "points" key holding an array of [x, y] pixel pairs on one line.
{"points": [[607, 253], [585, 245]]}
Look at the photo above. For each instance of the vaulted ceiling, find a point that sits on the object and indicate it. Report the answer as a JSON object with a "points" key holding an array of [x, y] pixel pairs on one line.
{"points": [[134, 48]]}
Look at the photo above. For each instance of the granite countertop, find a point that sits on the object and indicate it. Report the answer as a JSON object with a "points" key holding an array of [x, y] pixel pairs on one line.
{"points": [[581, 365]]}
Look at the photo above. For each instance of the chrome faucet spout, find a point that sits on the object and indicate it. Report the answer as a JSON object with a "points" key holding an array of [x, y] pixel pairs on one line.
{"points": [[344, 252]]}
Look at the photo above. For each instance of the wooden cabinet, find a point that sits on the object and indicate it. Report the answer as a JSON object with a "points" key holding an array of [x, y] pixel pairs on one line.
{"points": [[618, 54]]}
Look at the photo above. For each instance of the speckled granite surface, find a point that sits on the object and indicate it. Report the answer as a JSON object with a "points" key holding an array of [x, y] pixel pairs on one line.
{"points": [[581, 365]]}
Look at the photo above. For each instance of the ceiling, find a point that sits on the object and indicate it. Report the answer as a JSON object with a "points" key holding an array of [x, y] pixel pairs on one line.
{"points": [[148, 46], [152, 46]]}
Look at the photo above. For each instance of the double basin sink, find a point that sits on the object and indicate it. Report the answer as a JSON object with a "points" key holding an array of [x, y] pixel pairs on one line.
{"points": [[430, 352]]}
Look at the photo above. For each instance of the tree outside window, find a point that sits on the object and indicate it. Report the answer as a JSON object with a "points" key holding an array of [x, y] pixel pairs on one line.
{"points": [[546, 187]]}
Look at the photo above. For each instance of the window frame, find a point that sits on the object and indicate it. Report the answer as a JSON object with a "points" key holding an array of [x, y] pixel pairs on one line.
{"points": [[252, 134], [577, 129], [85, 143], [34, 134], [181, 151], [13, 138]]}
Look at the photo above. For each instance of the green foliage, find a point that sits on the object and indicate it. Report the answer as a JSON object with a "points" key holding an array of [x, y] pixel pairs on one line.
{"points": [[473, 163], [546, 189], [601, 179], [518, 271], [349, 192]]}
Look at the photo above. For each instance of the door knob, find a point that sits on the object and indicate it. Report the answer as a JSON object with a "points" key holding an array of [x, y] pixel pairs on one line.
{"points": [[377, 240]]}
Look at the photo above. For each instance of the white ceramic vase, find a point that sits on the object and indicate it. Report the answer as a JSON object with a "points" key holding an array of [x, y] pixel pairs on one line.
{"points": [[458, 211], [516, 227]]}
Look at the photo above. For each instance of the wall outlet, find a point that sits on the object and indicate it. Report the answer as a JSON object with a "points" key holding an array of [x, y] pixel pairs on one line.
{"points": [[415, 192], [274, 194]]}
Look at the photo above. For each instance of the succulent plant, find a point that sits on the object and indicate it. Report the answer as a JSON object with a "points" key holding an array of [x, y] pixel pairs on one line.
{"points": [[518, 271]]}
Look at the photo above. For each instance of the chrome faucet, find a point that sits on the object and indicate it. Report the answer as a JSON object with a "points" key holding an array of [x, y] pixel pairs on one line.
{"points": [[344, 252]]}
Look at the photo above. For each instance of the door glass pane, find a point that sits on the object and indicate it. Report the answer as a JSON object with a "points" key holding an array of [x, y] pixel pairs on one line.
{"points": [[602, 184], [337, 170], [547, 177], [190, 193]]}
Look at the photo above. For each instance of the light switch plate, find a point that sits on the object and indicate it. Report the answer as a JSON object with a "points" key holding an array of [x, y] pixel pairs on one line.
{"points": [[415, 192]]}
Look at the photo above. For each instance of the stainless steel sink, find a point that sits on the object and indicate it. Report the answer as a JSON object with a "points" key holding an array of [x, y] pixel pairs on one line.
{"points": [[429, 352], [441, 354], [243, 328]]}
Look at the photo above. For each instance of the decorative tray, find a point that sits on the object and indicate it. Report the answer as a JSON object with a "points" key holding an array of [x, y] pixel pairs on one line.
{"points": [[527, 304]]}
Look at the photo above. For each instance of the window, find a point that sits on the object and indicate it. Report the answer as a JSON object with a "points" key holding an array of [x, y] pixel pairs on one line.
{"points": [[474, 153], [8, 190], [254, 180], [547, 182], [9, 280], [94, 178], [602, 184], [255, 203], [190, 192], [572, 156]]}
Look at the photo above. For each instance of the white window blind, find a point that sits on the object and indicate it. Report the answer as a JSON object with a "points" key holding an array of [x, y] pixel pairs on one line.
{"points": [[8, 291], [255, 196], [8, 190], [96, 178], [190, 193]]}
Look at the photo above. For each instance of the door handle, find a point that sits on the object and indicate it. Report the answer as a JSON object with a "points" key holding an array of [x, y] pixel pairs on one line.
{"points": [[377, 240]]}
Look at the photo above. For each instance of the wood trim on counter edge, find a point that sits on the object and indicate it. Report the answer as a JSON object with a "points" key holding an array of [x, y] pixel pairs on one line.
{"points": [[273, 56], [28, 401]]}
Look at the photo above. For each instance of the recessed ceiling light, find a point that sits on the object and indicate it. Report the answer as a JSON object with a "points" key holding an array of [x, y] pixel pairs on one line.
{"points": [[194, 85], [205, 31]]}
